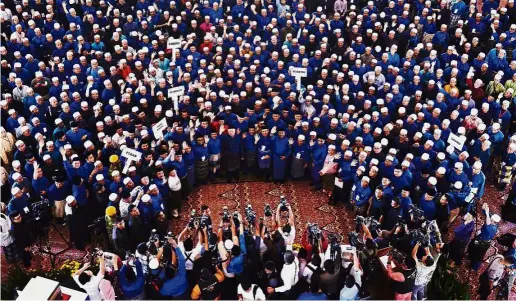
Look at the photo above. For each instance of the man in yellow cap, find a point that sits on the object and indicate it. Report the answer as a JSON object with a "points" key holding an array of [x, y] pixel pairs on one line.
{"points": [[110, 221], [114, 164]]}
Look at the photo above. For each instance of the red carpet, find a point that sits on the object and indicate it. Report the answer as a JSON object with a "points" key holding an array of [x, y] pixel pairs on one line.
{"points": [[307, 205]]}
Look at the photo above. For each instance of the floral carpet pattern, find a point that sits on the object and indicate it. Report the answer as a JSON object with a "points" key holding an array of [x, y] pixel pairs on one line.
{"points": [[307, 205]]}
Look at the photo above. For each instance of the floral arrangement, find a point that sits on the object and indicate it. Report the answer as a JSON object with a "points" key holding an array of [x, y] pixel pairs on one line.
{"points": [[71, 266], [297, 247]]}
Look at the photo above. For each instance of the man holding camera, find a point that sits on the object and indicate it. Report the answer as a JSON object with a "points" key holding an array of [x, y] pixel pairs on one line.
{"points": [[89, 282], [425, 269]]}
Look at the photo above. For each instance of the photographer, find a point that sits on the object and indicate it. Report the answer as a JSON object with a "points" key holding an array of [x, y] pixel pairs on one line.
{"points": [[176, 283], [353, 283], [190, 253], [289, 275], [403, 280], [331, 274], [89, 282], [232, 253], [424, 269], [209, 285], [288, 230], [132, 284]]}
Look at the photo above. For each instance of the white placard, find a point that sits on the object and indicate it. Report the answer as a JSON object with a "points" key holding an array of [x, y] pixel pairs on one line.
{"points": [[301, 72], [298, 73], [158, 128], [131, 155], [173, 43], [176, 92], [456, 141]]}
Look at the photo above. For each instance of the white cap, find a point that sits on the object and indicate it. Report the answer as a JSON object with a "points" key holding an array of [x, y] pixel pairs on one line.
{"points": [[115, 173], [15, 190], [46, 157], [441, 170], [16, 176], [146, 198], [458, 165], [112, 197], [153, 186], [496, 218], [70, 199], [16, 164], [99, 177], [228, 244], [458, 185], [331, 146], [425, 156], [432, 181], [126, 180], [301, 137]]}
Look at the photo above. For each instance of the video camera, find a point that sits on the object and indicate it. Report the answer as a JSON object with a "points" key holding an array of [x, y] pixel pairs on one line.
{"points": [[314, 233], [267, 211], [419, 237], [250, 215], [416, 212], [205, 222], [193, 219], [225, 214], [400, 222], [40, 210], [284, 204], [355, 241], [334, 245]]}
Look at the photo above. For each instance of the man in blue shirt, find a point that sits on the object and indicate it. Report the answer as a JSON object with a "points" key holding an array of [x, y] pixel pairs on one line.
{"points": [[480, 244], [176, 284]]}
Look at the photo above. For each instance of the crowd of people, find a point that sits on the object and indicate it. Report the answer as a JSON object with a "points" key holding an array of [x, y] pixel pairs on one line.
{"points": [[113, 112]]}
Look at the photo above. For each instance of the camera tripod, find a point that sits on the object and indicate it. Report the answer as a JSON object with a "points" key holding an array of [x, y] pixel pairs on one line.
{"points": [[44, 243]]}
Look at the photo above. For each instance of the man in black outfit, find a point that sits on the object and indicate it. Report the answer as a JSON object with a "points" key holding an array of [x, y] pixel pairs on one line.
{"points": [[22, 239]]}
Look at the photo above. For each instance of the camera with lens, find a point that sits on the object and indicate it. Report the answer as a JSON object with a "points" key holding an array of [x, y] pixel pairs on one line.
{"points": [[419, 237], [400, 222], [40, 210], [193, 219], [130, 258], [314, 233], [373, 224], [167, 236], [205, 222], [354, 240], [154, 237], [334, 240], [250, 215], [95, 253], [225, 214], [359, 220], [416, 212], [267, 211], [283, 203]]}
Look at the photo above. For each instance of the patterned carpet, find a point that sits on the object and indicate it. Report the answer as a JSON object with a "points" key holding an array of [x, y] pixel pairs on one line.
{"points": [[308, 206]]}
